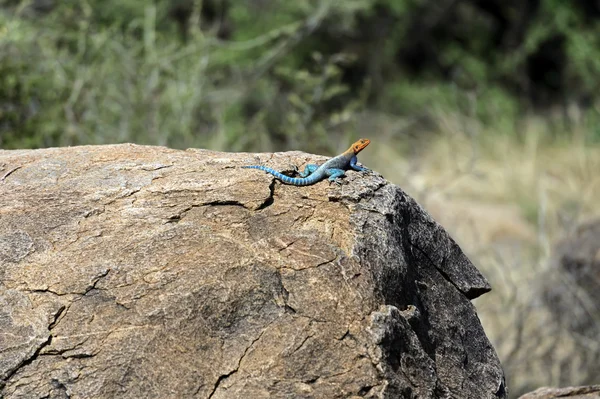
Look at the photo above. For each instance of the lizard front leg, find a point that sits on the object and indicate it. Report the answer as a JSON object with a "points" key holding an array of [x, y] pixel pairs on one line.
{"points": [[355, 166]]}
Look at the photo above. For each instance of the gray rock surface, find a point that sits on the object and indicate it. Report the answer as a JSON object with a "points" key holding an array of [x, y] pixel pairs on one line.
{"points": [[574, 294], [143, 272], [571, 293], [583, 392]]}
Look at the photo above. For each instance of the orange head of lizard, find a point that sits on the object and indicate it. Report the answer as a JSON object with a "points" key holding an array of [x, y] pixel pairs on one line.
{"points": [[359, 145]]}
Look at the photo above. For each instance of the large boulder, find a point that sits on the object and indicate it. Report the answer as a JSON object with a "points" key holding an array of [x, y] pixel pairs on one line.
{"points": [[571, 293], [144, 272]]}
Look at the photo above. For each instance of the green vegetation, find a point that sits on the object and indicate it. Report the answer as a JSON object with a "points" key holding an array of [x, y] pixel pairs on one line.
{"points": [[276, 74]]}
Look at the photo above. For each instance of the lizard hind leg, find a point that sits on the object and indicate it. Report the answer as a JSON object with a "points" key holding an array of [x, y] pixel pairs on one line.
{"points": [[308, 169], [334, 174]]}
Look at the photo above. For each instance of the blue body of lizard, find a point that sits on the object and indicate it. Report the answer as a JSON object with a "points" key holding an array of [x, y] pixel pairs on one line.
{"points": [[334, 168]]}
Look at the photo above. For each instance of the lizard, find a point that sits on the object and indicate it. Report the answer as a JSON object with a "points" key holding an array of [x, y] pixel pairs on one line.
{"points": [[334, 168]]}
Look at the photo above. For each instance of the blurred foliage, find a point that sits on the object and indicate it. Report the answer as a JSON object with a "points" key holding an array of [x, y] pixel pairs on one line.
{"points": [[274, 74]]}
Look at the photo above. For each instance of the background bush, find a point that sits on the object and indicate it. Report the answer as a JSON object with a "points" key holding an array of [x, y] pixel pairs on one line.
{"points": [[273, 74]]}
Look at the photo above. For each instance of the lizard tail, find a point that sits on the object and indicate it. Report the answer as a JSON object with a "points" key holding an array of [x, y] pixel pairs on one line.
{"points": [[296, 181]]}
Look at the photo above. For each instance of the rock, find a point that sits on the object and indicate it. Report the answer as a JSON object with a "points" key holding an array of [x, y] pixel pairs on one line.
{"points": [[129, 271], [586, 392], [573, 295]]}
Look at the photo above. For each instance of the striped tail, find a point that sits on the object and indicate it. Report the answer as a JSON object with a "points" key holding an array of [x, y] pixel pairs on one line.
{"points": [[296, 181]]}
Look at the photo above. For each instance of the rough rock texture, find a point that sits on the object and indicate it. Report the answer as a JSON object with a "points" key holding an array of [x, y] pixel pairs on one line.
{"points": [[130, 271], [571, 293], [574, 296], [586, 392]]}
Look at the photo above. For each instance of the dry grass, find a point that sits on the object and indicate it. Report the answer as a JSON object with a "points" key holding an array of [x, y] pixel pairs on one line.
{"points": [[507, 202]]}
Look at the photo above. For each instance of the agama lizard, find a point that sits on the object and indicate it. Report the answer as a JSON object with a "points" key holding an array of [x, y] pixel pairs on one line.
{"points": [[334, 168]]}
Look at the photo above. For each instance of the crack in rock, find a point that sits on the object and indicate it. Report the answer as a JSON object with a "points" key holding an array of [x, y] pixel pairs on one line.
{"points": [[270, 199], [223, 377], [439, 269], [36, 354]]}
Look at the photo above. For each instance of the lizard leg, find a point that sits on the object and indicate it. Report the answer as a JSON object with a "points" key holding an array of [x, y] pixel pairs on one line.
{"points": [[308, 169], [334, 174], [355, 166]]}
